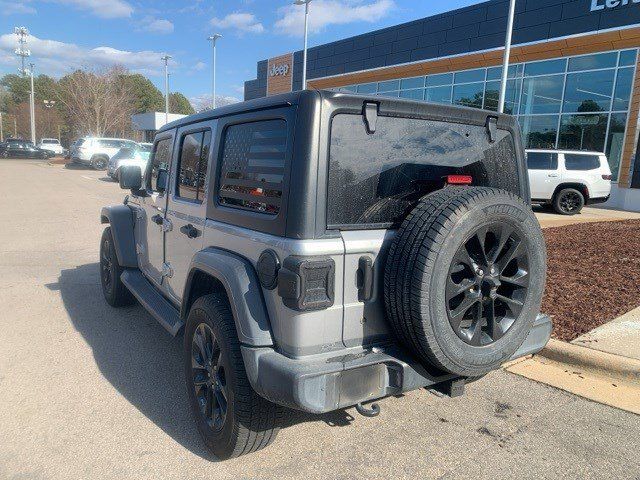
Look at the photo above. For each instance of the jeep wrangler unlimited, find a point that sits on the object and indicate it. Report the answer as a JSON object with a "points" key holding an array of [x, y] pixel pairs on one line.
{"points": [[323, 250]]}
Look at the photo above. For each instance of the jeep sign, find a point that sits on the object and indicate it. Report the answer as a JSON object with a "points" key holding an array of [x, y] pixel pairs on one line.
{"points": [[281, 69], [597, 5]]}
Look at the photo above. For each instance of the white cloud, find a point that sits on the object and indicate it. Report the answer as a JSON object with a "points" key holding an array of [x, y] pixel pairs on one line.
{"points": [[58, 58], [101, 8], [330, 12], [204, 101], [156, 25], [241, 22], [199, 66], [16, 7]]}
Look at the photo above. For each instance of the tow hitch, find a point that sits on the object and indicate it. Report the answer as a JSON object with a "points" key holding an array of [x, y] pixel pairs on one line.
{"points": [[374, 411]]}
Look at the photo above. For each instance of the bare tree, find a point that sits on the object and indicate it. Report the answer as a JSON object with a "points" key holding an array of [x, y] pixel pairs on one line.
{"points": [[97, 102]]}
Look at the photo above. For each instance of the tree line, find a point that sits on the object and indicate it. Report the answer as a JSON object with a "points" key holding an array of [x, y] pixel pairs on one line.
{"points": [[84, 102]]}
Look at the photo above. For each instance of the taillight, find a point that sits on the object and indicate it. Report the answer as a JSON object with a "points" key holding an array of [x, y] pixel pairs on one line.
{"points": [[606, 177], [459, 179]]}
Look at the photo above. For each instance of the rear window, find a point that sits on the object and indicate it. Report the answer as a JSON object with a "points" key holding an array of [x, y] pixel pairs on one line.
{"points": [[574, 161], [374, 180], [253, 161], [542, 161]]}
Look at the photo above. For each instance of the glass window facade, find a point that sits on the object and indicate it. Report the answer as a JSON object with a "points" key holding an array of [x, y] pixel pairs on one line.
{"points": [[579, 102]]}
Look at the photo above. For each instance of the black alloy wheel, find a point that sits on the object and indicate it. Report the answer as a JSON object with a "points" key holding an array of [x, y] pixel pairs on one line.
{"points": [[100, 163], [487, 284], [209, 377], [570, 202]]}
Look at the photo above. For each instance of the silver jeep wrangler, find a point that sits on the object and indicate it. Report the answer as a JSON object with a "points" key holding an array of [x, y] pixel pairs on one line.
{"points": [[323, 250]]}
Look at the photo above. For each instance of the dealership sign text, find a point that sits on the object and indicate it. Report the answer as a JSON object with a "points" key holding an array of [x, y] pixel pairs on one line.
{"points": [[282, 69], [597, 5]]}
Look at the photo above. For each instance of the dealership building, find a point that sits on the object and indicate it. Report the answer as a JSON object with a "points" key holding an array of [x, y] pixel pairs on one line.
{"points": [[573, 80]]}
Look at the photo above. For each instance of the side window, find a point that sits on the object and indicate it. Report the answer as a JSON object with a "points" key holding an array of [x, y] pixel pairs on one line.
{"points": [[253, 161], [542, 161], [192, 166], [581, 162], [161, 158]]}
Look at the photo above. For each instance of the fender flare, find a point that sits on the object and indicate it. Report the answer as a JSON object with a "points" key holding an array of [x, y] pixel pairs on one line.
{"points": [[121, 219], [243, 289]]}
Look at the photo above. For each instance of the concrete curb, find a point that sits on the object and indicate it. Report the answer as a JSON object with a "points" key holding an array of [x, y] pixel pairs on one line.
{"points": [[598, 363]]}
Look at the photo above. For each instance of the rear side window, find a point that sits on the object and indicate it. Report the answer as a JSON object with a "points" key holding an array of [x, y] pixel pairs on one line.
{"points": [[253, 162], [575, 161], [192, 166], [542, 161], [375, 180]]}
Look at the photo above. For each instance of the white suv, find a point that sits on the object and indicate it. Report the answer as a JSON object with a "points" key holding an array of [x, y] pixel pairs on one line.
{"points": [[568, 180], [51, 144], [98, 151]]}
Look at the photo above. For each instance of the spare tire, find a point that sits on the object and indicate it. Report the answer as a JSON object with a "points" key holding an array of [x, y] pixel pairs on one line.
{"points": [[464, 278]]}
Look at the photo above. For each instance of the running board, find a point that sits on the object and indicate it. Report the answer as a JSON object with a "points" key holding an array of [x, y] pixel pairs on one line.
{"points": [[158, 306]]}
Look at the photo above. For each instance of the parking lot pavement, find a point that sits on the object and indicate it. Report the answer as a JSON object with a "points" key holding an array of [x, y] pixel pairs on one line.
{"points": [[549, 218], [92, 392]]}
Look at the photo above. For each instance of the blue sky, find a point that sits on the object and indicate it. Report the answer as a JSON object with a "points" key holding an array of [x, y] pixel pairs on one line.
{"points": [[67, 34]]}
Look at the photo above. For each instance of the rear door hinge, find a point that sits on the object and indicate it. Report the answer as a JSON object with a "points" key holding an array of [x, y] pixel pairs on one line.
{"points": [[492, 128]]}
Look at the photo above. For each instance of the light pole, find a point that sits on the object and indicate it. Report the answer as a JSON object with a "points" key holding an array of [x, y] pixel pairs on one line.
{"points": [[507, 54], [166, 59], [306, 39], [214, 39], [32, 106], [49, 104]]}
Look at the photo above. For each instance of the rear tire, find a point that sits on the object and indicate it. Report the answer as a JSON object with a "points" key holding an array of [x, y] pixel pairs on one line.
{"points": [[568, 201], [115, 292], [464, 278], [99, 163], [232, 419]]}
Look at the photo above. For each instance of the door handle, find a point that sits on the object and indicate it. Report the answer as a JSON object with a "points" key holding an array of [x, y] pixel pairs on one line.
{"points": [[190, 231], [157, 219], [553, 175]]}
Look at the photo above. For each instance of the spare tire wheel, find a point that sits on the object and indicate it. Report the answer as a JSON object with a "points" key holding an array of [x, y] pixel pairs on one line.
{"points": [[464, 278]]}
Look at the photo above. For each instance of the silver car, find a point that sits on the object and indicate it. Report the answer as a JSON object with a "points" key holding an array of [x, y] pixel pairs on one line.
{"points": [[138, 155], [97, 152]]}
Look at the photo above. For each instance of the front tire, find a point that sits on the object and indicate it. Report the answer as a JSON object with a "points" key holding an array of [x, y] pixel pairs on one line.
{"points": [[115, 292], [232, 419], [568, 201]]}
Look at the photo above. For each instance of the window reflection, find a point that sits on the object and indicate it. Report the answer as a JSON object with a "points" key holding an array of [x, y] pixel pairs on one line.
{"points": [[539, 131], [615, 141], [583, 132], [589, 91], [542, 94]]}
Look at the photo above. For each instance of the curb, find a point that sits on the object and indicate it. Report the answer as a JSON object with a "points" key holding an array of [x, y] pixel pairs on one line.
{"points": [[599, 363]]}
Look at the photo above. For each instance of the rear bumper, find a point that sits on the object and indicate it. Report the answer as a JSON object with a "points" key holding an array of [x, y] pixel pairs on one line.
{"points": [[328, 382]]}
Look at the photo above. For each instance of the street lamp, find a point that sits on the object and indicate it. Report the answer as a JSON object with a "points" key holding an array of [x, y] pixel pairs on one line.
{"points": [[165, 59], [214, 39], [306, 37], [32, 105], [507, 54]]}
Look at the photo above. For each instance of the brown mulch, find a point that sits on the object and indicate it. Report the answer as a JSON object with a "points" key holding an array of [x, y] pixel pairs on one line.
{"points": [[593, 275]]}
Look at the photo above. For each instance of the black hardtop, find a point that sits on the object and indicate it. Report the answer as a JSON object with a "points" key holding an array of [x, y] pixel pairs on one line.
{"points": [[391, 106]]}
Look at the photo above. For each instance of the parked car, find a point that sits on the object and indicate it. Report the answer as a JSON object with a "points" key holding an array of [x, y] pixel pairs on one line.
{"points": [[316, 265], [568, 180], [53, 145], [96, 152], [138, 155], [23, 149]]}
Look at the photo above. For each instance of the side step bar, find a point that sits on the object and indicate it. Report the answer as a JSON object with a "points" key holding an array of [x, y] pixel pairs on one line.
{"points": [[152, 300]]}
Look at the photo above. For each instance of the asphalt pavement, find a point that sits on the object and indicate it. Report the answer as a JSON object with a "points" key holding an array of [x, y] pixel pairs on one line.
{"points": [[87, 391]]}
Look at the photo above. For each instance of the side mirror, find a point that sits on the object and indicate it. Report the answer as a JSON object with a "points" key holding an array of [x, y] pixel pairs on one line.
{"points": [[162, 180], [130, 177]]}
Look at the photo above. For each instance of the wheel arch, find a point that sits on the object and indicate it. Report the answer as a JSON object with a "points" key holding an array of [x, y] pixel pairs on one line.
{"points": [[121, 220], [581, 187], [214, 269]]}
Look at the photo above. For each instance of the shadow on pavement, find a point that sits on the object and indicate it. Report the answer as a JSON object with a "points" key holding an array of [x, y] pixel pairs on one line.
{"points": [[78, 166], [141, 360]]}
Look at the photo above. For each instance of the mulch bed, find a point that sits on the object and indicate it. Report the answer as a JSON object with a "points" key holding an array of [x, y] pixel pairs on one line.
{"points": [[593, 275]]}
